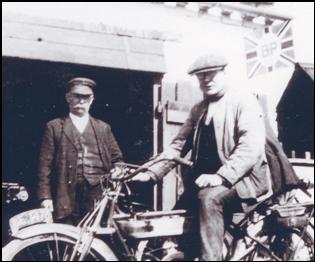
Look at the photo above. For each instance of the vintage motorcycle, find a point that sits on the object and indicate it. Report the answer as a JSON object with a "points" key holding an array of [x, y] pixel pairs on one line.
{"points": [[116, 230], [13, 192], [14, 196]]}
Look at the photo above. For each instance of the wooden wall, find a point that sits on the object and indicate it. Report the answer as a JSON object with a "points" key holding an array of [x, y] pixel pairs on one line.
{"points": [[96, 45]]}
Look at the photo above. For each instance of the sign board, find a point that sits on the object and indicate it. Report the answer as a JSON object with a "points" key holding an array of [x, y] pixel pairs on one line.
{"points": [[269, 49]]}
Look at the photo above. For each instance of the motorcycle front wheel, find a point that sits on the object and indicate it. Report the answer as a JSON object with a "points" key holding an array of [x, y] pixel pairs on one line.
{"points": [[49, 247]]}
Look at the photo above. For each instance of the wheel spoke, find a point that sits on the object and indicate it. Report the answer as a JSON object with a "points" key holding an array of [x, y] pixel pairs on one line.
{"points": [[65, 255], [50, 252], [32, 258], [93, 256], [57, 247]]}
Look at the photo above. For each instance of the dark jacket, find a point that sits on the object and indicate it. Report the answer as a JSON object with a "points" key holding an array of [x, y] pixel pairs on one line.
{"points": [[58, 161], [282, 173]]}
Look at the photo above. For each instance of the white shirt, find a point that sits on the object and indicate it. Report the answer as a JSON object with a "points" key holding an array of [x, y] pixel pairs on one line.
{"points": [[80, 122], [211, 111]]}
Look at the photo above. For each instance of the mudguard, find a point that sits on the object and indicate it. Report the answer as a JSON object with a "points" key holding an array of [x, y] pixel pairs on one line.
{"points": [[72, 232]]}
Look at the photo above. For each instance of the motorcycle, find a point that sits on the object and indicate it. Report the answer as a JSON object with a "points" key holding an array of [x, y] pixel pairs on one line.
{"points": [[13, 192], [14, 196], [114, 231]]}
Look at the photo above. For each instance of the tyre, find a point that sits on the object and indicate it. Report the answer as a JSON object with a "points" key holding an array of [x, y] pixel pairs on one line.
{"points": [[291, 245], [50, 247]]}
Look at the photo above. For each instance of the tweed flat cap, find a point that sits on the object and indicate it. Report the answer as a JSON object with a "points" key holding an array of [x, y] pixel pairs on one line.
{"points": [[81, 81], [207, 63]]}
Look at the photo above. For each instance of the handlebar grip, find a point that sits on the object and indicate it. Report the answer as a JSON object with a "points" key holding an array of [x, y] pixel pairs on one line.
{"points": [[183, 161], [305, 184], [309, 185]]}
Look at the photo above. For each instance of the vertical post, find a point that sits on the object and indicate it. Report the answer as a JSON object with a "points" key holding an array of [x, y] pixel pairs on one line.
{"points": [[176, 91], [307, 155], [157, 134]]}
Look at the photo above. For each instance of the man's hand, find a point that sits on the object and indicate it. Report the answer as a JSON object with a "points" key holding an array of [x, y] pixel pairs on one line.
{"points": [[116, 172], [210, 180], [48, 203], [142, 177]]}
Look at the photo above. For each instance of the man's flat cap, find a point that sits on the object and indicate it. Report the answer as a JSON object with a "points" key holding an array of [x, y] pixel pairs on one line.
{"points": [[81, 81], [207, 63]]}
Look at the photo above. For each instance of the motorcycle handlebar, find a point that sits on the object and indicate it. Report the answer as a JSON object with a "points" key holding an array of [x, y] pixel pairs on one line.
{"points": [[146, 166], [303, 184], [183, 161]]}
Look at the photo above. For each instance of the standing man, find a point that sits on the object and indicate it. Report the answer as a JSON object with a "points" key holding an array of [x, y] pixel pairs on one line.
{"points": [[77, 152], [228, 152]]}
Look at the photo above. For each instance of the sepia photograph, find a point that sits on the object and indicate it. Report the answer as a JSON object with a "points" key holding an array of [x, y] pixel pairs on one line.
{"points": [[157, 131]]}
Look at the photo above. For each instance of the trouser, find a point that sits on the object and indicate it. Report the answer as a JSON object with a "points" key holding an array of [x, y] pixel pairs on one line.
{"points": [[85, 197], [215, 206]]}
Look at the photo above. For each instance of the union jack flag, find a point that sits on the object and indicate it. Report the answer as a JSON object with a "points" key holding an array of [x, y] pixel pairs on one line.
{"points": [[269, 49]]}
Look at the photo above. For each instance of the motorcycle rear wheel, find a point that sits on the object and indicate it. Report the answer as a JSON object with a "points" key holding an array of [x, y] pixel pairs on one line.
{"points": [[294, 245]]}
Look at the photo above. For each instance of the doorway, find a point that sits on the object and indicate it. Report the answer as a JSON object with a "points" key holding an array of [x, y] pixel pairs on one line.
{"points": [[33, 94]]}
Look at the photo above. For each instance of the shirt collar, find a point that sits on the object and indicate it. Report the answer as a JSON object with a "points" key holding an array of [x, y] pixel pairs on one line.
{"points": [[77, 119]]}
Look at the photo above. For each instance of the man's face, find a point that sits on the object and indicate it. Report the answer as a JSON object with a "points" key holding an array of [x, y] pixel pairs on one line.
{"points": [[80, 99], [212, 83]]}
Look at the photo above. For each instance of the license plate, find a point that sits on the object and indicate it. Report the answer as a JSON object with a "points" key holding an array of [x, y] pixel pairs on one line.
{"points": [[28, 218]]}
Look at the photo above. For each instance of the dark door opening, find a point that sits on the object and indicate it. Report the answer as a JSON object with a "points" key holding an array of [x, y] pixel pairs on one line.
{"points": [[33, 94], [296, 113]]}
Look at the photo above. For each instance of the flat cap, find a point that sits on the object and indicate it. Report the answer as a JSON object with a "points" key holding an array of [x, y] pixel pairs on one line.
{"points": [[81, 81], [207, 63]]}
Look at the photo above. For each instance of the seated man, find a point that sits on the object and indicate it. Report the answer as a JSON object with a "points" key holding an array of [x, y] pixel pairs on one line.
{"points": [[228, 151]]}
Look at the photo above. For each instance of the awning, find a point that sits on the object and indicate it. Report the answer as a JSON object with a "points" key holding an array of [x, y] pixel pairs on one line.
{"points": [[96, 45]]}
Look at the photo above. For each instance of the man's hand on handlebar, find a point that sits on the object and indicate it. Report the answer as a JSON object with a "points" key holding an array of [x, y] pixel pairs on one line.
{"points": [[116, 173], [147, 173]]}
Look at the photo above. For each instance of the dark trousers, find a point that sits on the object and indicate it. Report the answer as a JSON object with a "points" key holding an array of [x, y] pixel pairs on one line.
{"points": [[215, 206], [86, 196]]}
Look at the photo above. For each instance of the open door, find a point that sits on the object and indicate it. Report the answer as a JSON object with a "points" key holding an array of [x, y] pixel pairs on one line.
{"points": [[295, 113], [172, 105], [33, 93]]}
